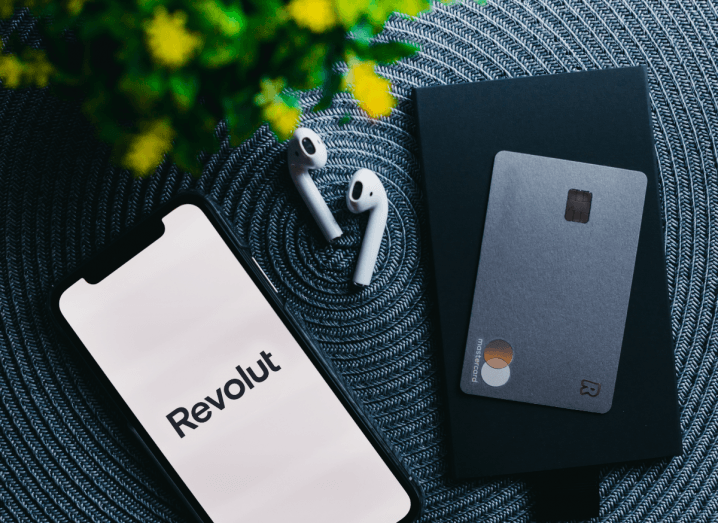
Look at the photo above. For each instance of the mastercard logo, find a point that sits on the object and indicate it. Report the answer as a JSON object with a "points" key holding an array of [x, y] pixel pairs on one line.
{"points": [[498, 355]]}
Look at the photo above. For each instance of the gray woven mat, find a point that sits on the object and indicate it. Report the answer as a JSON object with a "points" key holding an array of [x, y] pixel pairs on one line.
{"points": [[66, 455]]}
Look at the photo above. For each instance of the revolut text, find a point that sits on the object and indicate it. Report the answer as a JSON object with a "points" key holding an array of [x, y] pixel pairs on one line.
{"points": [[201, 412]]}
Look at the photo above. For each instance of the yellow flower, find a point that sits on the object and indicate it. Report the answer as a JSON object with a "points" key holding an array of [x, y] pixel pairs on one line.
{"points": [[169, 42], [372, 91], [6, 8], [11, 71], [147, 148], [317, 15], [270, 89], [38, 68], [282, 118], [75, 6], [413, 7]]}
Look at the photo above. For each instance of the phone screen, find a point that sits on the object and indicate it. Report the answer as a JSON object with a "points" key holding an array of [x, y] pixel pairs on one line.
{"points": [[224, 390]]}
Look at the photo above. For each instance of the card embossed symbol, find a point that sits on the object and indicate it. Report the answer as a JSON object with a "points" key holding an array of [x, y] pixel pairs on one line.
{"points": [[578, 206], [590, 388]]}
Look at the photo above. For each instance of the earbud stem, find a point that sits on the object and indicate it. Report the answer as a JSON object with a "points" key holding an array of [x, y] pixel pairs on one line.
{"points": [[316, 204], [370, 245]]}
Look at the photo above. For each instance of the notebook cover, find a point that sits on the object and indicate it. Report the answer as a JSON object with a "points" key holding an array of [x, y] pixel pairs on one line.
{"points": [[599, 117]]}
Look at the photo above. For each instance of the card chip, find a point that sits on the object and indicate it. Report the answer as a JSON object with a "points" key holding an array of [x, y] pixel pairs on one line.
{"points": [[578, 206]]}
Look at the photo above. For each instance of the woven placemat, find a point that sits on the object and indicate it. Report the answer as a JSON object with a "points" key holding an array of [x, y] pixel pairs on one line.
{"points": [[66, 455]]}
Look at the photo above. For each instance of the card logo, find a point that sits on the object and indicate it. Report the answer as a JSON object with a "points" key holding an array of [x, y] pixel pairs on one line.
{"points": [[589, 388], [477, 361], [578, 206], [498, 354]]}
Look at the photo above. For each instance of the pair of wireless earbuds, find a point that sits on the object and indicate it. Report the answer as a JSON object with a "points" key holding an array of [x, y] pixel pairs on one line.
{"points": [[365, 193]]}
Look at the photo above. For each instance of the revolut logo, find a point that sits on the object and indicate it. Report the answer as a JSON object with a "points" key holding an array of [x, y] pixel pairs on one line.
{"points": [[590, 388], [234, 389]]}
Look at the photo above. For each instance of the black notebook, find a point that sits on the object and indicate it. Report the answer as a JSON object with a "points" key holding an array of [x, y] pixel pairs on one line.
{"points": [[596, 117]]}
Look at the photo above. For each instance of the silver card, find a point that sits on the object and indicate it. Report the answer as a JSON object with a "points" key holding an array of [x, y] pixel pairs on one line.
{"points": [[553, 283]]}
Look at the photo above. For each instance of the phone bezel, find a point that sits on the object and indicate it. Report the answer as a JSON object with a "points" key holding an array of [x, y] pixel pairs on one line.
{"points": [[118, 248]]}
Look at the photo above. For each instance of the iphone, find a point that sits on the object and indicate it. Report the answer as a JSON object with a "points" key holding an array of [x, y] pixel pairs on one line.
{"points": [[220, 383]]}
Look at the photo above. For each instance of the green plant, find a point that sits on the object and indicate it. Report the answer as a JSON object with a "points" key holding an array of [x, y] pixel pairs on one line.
{"points": [[156, 76]]}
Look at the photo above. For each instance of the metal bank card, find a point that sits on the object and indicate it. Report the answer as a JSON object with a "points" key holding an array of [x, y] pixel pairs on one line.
{"points": [[553, 282]]}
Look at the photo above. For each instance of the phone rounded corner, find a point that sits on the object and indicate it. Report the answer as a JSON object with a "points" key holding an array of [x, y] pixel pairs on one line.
{"points": [[417, 502]]}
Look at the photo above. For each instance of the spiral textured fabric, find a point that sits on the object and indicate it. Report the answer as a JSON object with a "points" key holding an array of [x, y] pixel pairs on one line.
{"points": [[66, 454]]}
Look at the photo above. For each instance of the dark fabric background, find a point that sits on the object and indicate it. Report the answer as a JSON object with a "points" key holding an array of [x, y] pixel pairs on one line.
{"points": [[66, 456]]}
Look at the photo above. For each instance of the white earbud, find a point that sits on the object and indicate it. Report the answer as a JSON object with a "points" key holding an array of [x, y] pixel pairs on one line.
{"points": [[366, 193], [307, 151]]}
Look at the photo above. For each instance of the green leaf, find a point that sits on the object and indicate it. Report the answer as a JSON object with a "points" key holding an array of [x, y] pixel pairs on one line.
{"points": [[290, 100], [270, 15], [156, 83], [246, 121], [350, 11], [378, 12], [244, 42], [363, 34], [345, 119], [147, 6], [145, 90], [184, 89], [218, 55], [388, 53], [229, 21], [185, 155], [331, 87], [311, 72]]}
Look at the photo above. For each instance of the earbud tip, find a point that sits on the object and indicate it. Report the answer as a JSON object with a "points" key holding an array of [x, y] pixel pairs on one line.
{"points": [[361, 280], [330, 228]]}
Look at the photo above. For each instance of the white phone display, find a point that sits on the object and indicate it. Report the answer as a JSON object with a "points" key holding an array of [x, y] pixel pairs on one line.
{"points": [[224, 390]]}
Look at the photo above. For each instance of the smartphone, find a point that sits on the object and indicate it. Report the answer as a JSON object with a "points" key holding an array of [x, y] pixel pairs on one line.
{"points": [[220, 383]]}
